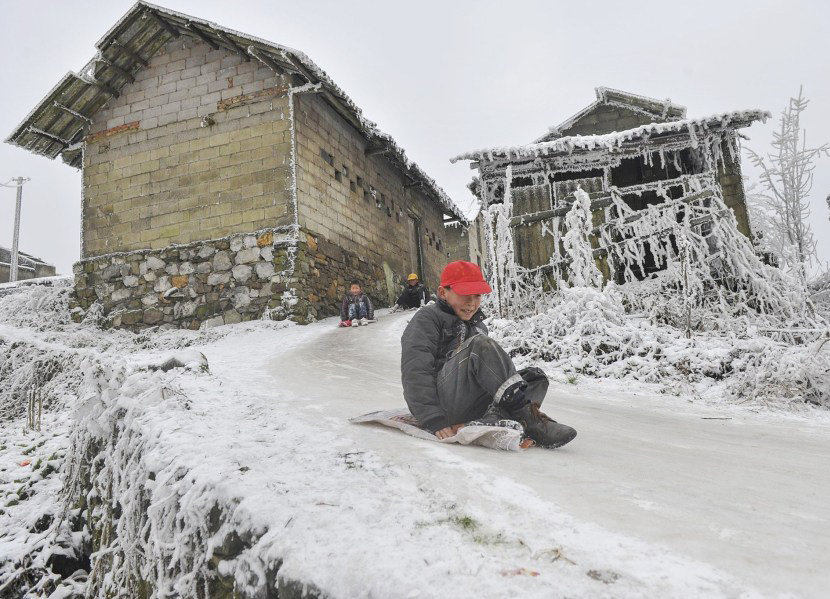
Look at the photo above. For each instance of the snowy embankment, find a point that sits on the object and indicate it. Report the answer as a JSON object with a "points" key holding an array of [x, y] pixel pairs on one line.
{"points": [[234, 477]]}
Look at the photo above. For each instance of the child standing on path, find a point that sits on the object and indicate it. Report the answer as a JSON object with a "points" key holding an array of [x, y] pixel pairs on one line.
{"points": [[453, 373], [356, 308]]}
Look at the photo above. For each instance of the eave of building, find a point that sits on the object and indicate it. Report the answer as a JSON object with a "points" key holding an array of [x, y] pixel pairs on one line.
{"points": [[614, 97], [58, 125], [682, 132]]}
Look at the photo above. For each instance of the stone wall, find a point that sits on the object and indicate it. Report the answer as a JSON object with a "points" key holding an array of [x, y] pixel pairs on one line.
{"points": [[322, 275], [358, 201], [267, 274], [203, 284], [198, 147]]}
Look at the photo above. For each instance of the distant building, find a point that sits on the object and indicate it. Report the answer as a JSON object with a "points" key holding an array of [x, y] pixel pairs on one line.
{"points": [[225, 177], [646, 167], [28, 267]]}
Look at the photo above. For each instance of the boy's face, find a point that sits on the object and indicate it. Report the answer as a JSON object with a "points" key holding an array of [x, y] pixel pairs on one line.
{"points": [[413, 282], [354, 289], [464, 306]]}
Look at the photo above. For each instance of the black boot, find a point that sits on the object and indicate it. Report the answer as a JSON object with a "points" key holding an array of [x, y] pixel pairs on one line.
{"points": [[544, 431], [496, 416]]}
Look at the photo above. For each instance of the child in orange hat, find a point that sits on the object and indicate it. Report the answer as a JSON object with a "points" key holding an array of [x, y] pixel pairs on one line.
{"points": [[415, 295]]}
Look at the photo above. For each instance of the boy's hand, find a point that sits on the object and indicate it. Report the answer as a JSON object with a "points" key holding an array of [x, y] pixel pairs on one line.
{"points": [[446, 433]]}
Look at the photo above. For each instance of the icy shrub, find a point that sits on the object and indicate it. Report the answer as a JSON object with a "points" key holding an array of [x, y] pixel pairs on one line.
{"points": [[775, 373], [589, 332], [585, 332]]}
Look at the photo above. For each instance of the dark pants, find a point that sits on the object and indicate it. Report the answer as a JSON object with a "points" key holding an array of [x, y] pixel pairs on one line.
{"points": [[477, 374], [360, 310]]}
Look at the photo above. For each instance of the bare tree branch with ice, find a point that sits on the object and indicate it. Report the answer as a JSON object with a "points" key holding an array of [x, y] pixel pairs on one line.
{"points": [[787, 176]]}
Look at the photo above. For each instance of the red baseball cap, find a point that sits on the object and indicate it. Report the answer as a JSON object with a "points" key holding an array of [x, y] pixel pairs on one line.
{"points": [[465, 278]]}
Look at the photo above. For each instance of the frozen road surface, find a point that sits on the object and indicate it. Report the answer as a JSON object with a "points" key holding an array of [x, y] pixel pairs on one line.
{"points": [[704, 500]]}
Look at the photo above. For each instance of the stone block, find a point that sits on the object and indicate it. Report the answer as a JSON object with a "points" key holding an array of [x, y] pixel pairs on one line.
{"points": [[265, 240], [110, 272], [237, 243], [151, 299], [219, 278], [179, 281], [120, 295], [241, 297], [222, 261], [264, 270], [132, 317], [153, 316], [154, 263], [248, 255], [242, 273], [232, 317], [162, 284], [184, 309]]}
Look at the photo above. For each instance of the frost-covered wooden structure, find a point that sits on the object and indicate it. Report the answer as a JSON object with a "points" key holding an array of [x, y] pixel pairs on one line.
{"points": [[647, 171]]}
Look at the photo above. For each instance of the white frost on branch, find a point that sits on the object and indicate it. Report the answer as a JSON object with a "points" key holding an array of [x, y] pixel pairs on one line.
{"points": [[787, 178], [582, 268]]}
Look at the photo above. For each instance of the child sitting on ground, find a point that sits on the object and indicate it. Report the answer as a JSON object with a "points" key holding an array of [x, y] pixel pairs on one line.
{"points": [[356, 308], [415, 295], [453, 373]]}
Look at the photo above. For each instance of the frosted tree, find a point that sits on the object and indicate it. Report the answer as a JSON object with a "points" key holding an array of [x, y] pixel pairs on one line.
{"points": [[787, 179], [501, 250], [582, 269]]}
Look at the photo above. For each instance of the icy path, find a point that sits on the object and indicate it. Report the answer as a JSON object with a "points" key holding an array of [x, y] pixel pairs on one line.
{"points": [[649, 486]]}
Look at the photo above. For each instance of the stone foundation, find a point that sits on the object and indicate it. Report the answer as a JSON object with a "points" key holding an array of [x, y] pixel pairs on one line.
{"points": [[267, 274], [323, 272], [203, 284]]}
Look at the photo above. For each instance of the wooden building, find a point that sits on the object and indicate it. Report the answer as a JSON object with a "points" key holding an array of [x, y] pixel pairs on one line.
{"points": [[645, 167]]}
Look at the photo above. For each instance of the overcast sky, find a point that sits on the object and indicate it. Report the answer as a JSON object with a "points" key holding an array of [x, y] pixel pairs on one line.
{"points": [[445, 77]]}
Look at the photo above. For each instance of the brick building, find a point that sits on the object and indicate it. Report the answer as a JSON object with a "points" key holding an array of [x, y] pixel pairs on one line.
{"points": [[647, 169], [225, 177]]}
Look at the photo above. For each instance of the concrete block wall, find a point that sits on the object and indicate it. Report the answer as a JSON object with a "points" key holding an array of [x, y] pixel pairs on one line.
{"points": [[198, 147], [334, 179]]}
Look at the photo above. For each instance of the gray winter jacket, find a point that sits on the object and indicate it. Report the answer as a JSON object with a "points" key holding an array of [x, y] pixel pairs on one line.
{"points": [[433, 333]]}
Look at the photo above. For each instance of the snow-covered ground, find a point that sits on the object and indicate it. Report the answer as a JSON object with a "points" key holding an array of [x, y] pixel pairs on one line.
{"points": [[655, 497]]}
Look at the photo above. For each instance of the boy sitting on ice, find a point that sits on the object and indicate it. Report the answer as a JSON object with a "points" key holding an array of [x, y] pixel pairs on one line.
{"points": [[453, 373], [415, 295], [356, 308]]}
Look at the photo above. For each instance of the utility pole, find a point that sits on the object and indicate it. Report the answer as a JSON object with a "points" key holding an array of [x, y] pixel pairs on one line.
{"points": [[18, 182]]}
